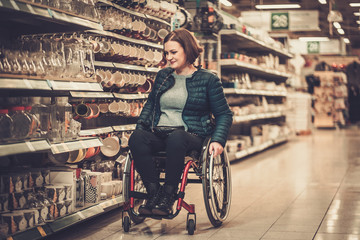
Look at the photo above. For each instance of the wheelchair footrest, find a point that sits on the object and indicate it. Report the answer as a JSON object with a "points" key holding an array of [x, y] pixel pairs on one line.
{"points": [[139, 195]]}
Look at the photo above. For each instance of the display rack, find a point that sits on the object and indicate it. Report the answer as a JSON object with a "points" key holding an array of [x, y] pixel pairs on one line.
{"points": [[88, 212], [231, 64], [235, 41], [240, 40], [256, 149]]}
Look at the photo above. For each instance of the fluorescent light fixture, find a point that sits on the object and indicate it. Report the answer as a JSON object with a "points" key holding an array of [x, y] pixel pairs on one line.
{"points": [[277, 6], [322, 1], [358, 21], [226, 3], [314, 39], [357, 14], [354, 4], [346, 40], [341, 31], [337, 25]]}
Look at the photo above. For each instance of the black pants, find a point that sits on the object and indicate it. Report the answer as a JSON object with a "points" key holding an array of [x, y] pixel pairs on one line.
{"points": [[144, 144]]}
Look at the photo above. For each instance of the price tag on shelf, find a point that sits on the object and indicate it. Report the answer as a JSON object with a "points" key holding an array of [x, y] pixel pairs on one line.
{"points": [[82, 143], [31, 9], [66, 148], [81, 215], [55, 150], [41, 231], [30, 146], [50, 13], [27, 84], [14, 4]]}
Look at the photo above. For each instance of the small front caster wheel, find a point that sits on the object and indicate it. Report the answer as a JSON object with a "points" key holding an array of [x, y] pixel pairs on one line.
{"points": [[126, 223], [191, 226]]}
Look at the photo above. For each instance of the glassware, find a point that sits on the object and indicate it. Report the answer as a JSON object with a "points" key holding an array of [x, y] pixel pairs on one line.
{"points": [[6, 124], [21, 122], [42, 113]]}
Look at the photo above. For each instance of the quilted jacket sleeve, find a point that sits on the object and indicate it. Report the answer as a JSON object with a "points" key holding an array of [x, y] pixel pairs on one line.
{"points": [[221, 111], [145, 119]]}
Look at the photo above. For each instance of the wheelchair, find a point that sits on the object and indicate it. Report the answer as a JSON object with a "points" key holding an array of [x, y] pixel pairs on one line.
{"points": [[212, 173]]}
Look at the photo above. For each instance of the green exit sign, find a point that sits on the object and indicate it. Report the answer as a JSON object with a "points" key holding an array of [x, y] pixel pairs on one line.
{"points": [[280, 21]]}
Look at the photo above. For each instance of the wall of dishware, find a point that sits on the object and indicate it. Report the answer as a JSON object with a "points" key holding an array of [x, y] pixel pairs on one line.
{"points": [[71, 92]]}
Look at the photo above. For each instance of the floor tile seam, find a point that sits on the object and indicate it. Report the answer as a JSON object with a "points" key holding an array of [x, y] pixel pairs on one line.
{"points": [[332, 200], [282, 214]]}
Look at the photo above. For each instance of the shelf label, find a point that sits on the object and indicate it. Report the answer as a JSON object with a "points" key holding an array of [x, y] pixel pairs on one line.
{"points": [[83, 144], [41, 231], [50, 13], [31, 9], [55, 149], [81, 215], [66, 148], [15, 6], [27, 84], [30, 146]]}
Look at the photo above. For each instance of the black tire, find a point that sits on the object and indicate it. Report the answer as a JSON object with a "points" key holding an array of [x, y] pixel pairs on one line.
{"points": [[216, 183], [126, 190], [126, 224], [191, 226]]}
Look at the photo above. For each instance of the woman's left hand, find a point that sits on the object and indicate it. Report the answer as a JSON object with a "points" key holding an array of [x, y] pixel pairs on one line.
{"points": [[216, 147]]}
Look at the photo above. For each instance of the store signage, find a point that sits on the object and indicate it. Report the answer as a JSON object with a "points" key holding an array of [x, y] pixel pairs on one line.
{"points": [[296, 20], [280, 21], [313, 47]]}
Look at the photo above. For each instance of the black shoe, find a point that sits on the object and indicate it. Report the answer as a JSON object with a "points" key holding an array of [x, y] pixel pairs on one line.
{"points": [[166, 201], [153, 197]]}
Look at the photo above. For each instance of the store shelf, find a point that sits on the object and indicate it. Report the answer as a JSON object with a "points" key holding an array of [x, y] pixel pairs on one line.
{"points": [[127, 39], [258, 116], [22, 83], [35, 15], [239, 41], [125, 66], [236, 65], [129, 127], [91, 94], [75, 145], [75, 86], [256, 149], [23, 147], [96, 131], [109, 3], [131, 96], [42, 231], [255, 92]]}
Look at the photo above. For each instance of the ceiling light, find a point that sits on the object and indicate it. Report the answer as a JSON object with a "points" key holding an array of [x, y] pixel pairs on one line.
{"points": [[357, 13], [322, 1], [346, 40], [277, 6], [226, 3], [358, 21], [314, 39], [354, 4], [341, 31], [337, 25]]}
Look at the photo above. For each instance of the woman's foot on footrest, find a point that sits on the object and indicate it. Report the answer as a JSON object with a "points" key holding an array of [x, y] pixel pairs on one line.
{"points": [[153, 190], [166, 201]]}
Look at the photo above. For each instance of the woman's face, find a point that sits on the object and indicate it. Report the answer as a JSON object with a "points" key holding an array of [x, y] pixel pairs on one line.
{"points": [[175, 55]]}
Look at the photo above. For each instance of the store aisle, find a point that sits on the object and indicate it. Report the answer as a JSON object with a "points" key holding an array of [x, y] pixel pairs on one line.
{"points": [[305, 189]]}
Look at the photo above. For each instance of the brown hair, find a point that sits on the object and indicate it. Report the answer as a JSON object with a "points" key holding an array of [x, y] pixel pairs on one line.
{"points": [[187, 40]]}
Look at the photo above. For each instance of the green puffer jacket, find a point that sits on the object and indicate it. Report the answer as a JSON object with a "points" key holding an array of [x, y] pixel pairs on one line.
{"points": [[205, 96]]}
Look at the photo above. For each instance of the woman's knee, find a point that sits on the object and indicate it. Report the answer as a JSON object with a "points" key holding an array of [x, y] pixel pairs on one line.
{"points": [[136, 138]]}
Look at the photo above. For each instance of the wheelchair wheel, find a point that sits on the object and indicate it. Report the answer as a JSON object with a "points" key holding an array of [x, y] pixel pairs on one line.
{"points": [[139, 187], [216, 186]]}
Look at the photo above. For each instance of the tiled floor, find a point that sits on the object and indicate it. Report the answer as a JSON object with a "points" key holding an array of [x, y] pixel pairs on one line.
{"points": [[308, 188]]}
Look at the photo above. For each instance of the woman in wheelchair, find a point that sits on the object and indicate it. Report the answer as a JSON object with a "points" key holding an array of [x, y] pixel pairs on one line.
{"points": [[186, 105]]}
